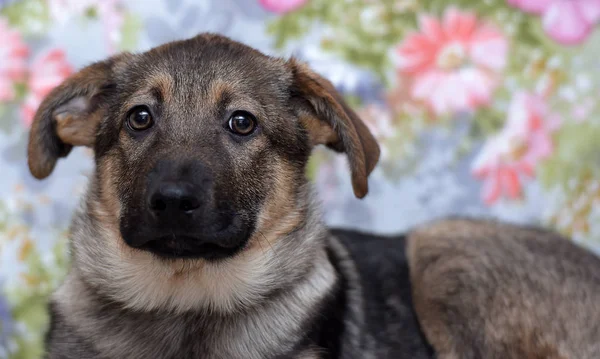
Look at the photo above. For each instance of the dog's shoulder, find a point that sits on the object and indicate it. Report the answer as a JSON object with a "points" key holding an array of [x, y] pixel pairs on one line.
{"points": [[368, 249], [380, 261], [484, 289], [375, 272]]}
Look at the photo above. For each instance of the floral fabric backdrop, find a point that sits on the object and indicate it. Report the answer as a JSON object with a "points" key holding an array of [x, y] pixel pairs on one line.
{"points": [[482, 107]]}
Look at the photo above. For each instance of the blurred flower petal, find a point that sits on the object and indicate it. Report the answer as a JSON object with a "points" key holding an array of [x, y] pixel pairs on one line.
{"points": [[13, 64], [455, 62]]}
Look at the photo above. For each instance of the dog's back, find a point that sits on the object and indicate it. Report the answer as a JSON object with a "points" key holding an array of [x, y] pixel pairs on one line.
{"points": [[484, 289], [476, 289]]}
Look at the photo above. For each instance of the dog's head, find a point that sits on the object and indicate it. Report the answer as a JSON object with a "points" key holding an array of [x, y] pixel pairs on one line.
{"points": [[200, 145]]}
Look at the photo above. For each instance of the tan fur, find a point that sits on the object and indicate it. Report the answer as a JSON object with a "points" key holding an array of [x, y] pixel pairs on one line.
{"points": [[282, 211], [108, 208], [163, 83], [218, 91], [488, 290], [320, 133], [77, 130], [309, 354]]}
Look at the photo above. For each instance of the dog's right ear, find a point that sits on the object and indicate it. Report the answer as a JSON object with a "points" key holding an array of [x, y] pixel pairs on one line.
{"points": [[69, 116], [330, 121]]}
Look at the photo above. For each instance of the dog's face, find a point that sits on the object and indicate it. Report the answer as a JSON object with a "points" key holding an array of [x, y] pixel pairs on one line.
{"points": [[200, 145]]}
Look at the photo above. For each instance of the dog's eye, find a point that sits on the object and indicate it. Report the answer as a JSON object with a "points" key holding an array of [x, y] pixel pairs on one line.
{"points": [[242, 123], [140, 119]]}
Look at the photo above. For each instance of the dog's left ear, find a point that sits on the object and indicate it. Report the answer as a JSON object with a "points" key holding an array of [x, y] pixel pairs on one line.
{"points": [[330, 121], [69, 116]]}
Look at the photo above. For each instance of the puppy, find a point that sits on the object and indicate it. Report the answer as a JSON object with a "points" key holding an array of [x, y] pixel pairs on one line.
{"points": [[200, 237]]}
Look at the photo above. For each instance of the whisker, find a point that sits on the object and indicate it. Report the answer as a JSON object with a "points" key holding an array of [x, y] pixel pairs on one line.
{"points": [[261, 247], [268, 242]]}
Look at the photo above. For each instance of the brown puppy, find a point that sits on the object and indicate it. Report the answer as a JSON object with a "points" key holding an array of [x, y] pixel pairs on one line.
{"points": [[199, 238]]}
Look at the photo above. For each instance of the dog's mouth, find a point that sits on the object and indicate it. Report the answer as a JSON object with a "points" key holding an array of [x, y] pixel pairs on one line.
{"points": [[217, 240], [184, 246]]}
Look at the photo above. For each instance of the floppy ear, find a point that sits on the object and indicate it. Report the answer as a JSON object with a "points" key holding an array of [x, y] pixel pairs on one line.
{"points": [[68, 116], [330, 121]]}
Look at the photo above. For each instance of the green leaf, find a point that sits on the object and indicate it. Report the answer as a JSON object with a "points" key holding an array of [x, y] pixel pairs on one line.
{"points": [[8, 119], [576, 153], [29, 303], [130, 32], [487, 122], [314, 163], [24, 13], [91, 12], [365, 44]]}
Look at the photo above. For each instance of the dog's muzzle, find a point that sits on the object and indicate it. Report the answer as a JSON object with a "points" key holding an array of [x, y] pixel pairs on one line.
{"points": [[180, 218]]}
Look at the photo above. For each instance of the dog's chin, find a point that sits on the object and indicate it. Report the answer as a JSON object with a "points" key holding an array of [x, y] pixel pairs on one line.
{"points": [[211, 238], [211, 243], [185, 246]]}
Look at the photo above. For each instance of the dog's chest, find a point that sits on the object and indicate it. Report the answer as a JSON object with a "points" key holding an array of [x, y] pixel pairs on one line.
{"points": [[141, 336], [110, 332], [246, 338]]}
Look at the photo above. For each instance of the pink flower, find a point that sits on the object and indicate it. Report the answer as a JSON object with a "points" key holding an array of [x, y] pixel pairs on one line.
{"points": [[282, 6], [378, 119], [112, 19], [582, 110], [511, 156], [455, 62], [568, 22], [28, 109], [531, 6], [13, 60], [46, 72]]}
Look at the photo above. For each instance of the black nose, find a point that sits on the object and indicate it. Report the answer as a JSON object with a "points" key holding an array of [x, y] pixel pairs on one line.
{"points": [[174, 198]]}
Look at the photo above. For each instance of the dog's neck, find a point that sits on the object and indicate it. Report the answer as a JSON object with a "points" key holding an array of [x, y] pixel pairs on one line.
{"points": [[264, 296], [275, 327]]}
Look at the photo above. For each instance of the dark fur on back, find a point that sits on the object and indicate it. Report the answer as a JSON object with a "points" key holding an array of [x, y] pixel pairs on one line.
{"points": [[382, 282]]}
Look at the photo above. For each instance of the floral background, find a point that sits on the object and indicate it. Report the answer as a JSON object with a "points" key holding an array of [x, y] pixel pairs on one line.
{"points": [[482, 107]]}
